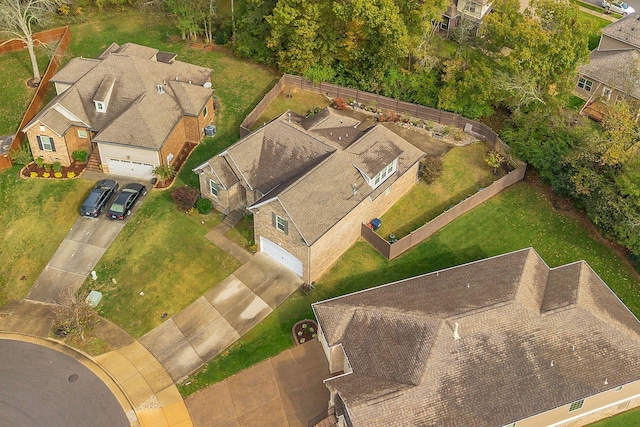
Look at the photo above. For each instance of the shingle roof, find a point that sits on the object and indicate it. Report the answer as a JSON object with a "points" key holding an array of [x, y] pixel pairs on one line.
{"points": [[625, 29], [531, 339], [617, 69], [137, 114]]}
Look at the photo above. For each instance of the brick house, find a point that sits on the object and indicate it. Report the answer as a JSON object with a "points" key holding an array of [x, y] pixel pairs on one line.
{"points": [[613, 70], [504, 341], [132, 108], [310, 184]]}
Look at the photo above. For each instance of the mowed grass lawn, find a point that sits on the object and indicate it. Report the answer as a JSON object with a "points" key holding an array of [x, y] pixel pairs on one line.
{"points": [[35, 215], [517, 218], [464, 172], [294, 99]]}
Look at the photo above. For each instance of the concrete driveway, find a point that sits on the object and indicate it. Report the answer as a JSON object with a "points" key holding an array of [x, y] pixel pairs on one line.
{"points": [[217, 319], [284, 391]]}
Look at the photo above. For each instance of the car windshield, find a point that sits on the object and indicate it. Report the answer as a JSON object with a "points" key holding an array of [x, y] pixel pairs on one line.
{"points": [[624, 5], [117, 208]]}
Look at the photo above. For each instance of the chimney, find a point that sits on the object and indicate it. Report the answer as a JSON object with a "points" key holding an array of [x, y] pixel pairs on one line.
{"points": [[456, 335]]}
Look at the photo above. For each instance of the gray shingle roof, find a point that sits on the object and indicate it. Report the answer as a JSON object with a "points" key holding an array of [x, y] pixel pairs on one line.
{"points": [[617, 69], [137, 114], [531, 339], [625, 29]]}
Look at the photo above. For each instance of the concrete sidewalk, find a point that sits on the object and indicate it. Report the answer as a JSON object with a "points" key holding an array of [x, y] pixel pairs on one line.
{"points": [[137, 380], [284, 391], [214, 321], [217, 237]]}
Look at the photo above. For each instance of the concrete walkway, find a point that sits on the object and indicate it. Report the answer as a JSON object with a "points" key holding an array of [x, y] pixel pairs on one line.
{"points": [[217, 237], [137, 380], [284, 391], [201, 331]]}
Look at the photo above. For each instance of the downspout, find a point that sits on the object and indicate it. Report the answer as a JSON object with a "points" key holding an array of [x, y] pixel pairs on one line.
{"points": [[309, 261]]}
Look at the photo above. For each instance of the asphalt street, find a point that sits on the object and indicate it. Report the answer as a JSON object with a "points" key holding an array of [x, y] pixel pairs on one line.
{"points": [[43, 387]]}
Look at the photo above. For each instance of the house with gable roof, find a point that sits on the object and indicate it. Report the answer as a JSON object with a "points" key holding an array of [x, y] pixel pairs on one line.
{"points": [[310, 184], [503, 341], [133, 108], [613, 70]]}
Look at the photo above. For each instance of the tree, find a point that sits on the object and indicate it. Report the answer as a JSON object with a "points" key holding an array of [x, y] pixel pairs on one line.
{"points": [[74, 318], [19, 18]]}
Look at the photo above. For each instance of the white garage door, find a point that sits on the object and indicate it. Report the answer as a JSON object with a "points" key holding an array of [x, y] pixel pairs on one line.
{"points": [[129, 168], [280, 255]]}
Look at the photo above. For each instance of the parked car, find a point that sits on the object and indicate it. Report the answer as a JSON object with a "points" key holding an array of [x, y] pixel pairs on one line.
{"points": [[618, 7], [97, 200], [122, 205]]}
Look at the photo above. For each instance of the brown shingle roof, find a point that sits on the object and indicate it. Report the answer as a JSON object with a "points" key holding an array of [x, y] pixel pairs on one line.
{"points": [[617, 69], [137, 114], [625, 29], [531, 339]]}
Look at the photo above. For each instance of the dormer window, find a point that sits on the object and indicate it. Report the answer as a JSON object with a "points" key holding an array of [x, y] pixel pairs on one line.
{"points": [[385, 173], [100, 108]]}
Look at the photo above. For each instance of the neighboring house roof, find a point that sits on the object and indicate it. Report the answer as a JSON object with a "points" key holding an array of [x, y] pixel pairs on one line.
{"points": [[313, 167], [531, 339], [127, 80], [625, 29], [619, 69]]}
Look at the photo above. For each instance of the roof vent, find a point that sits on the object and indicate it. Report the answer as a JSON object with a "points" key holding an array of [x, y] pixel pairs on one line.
{"points": [[189, 81], [176, 78], [160, 89], [552, 364], [289, 116], [456, 335], [347, 136], [339, 138], [355, 189], [606, 381]]}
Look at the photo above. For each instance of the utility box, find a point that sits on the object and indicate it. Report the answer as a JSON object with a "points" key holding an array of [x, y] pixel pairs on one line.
{"points": [[209, 130], [93, 299]]}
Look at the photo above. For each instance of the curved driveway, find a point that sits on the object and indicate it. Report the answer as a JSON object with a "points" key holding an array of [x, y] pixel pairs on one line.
{"points": [[44, 387]]}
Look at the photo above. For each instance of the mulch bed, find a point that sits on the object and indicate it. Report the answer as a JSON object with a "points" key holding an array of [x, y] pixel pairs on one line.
{"points": [[177, 163], [76, 167], [304, 330]]}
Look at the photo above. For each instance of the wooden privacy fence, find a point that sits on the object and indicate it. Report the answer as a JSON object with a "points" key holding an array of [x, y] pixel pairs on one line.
{"points": [[63, 35], [382, 102], [392, 250]]}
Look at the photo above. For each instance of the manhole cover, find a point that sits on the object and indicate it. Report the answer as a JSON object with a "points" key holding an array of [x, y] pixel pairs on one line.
{"points": [[73, 378]]}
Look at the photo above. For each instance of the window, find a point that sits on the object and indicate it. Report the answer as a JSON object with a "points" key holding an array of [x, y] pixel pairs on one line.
{"points": [[46, 143], [82, 133], [576, 405], [281, 223], [384, 174], [100, 107], [205, 112], [470, 7], [606, 93], [213, 187], [585, 84]]}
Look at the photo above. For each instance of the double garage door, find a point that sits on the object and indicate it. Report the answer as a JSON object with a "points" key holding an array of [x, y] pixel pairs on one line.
{"points": [[281, 255], [129, 168]]}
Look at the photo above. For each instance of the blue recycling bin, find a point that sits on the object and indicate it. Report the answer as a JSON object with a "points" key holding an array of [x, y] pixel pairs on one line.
{"points": [[375, 223]]}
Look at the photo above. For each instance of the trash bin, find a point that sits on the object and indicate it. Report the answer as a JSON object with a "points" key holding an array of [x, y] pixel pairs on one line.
{"points": [[375, 223]]}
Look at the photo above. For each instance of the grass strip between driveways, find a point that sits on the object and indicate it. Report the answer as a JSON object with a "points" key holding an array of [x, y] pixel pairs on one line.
{"points": [[519, 217]]}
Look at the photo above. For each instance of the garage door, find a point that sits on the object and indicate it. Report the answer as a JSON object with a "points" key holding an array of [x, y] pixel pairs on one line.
{"points": [[280, 255], [129, 168]]}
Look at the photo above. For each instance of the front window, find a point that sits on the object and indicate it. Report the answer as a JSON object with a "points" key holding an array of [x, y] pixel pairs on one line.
{"points": [[46, 143], [585, 84], [213, 188], [576, 405], [82, 133], [281, 224], [470, 7]]}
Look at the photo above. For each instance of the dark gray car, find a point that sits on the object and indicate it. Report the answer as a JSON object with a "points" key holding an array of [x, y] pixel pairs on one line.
{"points": [[97, 200], [122, 205]]}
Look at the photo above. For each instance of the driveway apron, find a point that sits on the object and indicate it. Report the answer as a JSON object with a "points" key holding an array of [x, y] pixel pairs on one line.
{"points": [[76, 256], [217, 319]]}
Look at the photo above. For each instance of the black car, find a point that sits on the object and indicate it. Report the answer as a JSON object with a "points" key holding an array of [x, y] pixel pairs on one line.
{"points": [[97, 200], [122, 205]]}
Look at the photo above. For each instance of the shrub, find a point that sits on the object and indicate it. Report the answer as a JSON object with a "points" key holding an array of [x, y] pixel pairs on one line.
{"points": [[429, 125], [47, 166], [204, 206], [58, 174], [71, 174], [339, 104], [57, 166], [46, 175], [431, 169], [185, 197], [80, 156], [33, 174], [458, 134], [165, 173], [39, 161], [22, 155], [494, 160]]}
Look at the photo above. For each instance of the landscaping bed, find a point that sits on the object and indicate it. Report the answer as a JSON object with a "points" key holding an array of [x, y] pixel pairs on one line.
{"points": [[304, 330], [32, 170]]}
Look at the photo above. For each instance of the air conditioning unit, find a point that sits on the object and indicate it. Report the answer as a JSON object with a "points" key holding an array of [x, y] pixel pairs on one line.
{"points": [[210, 130]]}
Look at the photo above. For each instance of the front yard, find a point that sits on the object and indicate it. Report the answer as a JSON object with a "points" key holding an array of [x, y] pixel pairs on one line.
{"points": [[517, 218]]}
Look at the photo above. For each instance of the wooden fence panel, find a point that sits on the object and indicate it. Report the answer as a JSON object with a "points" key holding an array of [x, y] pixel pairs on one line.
{"points": [[375, 240]]}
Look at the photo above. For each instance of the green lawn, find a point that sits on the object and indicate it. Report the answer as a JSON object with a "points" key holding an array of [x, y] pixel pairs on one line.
{"points": [[242, 234], [626, 419], [464, 172], [517, 218], [296, 100], [595, 24], [15, 70], [35, 215]]}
